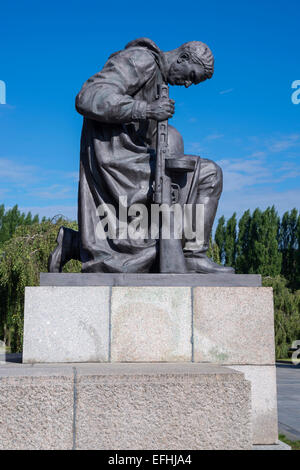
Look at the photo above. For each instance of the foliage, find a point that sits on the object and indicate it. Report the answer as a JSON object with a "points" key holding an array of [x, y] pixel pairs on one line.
{"points": [[289, 237], [220, 238], [287, 314], [264, 244], [11, 219], [243, 243], [264, 256], [24, 256], [230, 241], [213, 251], [295, 445]]}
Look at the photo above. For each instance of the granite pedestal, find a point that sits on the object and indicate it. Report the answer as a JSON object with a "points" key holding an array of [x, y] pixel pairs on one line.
{"points": [[182, 320], [124, 406]]}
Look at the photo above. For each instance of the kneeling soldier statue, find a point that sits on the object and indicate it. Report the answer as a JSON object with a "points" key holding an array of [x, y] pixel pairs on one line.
{"points": [[130, 153]]}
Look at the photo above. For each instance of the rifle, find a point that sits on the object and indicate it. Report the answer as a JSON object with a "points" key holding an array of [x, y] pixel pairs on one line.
{"points": [[171, 258]]}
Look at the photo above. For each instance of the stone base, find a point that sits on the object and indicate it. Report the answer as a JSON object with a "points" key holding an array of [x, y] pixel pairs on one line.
{"points": [[129, 279], [264, 402], [278, 446], [227, 325], [124, 406], [232, 326]]}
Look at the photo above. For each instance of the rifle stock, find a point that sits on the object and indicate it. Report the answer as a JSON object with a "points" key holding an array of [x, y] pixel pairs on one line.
{"points": [[171, 258]]}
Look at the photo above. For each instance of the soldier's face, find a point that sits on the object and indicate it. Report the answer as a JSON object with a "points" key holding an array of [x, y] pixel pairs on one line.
{"points": [[184, 72]]}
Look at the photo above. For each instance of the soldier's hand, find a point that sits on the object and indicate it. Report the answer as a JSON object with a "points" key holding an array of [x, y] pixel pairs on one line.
{"points": [[160, 110]]}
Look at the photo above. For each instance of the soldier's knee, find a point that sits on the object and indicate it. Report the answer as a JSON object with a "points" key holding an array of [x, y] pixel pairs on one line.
{"points": [[214, 169], [212, 175], [218, 173]]}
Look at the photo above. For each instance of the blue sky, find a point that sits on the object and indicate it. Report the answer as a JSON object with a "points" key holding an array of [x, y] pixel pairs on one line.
{"points": [[243, 118]]}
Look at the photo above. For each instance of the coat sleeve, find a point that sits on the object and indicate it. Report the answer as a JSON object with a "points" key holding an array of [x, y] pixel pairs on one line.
{"points": [[108, 96]]}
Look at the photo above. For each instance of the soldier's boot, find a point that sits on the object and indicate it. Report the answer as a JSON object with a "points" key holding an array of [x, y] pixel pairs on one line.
{"points": [[195, 254], [67, 248]]}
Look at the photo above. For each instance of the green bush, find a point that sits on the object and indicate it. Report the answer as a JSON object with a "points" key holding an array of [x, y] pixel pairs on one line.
{"points": [[23, 257], [287, 314]]}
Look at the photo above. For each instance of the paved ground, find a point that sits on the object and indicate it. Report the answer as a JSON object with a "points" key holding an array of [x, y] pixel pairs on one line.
{"points": [[288, 396]]}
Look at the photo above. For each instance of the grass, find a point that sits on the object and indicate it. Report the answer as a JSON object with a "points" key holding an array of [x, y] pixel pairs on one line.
{"points": [[295, 445]]}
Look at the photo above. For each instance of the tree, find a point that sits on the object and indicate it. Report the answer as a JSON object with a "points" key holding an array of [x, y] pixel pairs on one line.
{"points": [[243, 243], [11, 220], [3, 228], [269, 234], [220, 238], [213, 251], [287, 314], [24, 256], [297, 257], [264, 256], [289, 245], [230, 241]]}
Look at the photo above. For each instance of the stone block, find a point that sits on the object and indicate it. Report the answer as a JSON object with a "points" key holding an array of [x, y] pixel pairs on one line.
{"points": [[151, 324], [234, 325], [278, 446], [66, 324], [264, 402], [162, 406], [36, 409], [149, 279]]}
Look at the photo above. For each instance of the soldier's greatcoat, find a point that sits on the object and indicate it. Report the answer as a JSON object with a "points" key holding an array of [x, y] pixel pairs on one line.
{"points": [[118, 154]]}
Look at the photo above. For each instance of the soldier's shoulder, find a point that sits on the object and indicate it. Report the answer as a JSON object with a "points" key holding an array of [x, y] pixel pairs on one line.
{"points": [[138, 54], [141, 56]]}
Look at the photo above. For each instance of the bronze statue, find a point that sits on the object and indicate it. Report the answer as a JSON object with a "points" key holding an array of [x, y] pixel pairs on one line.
{"points": [[119, 163]]}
